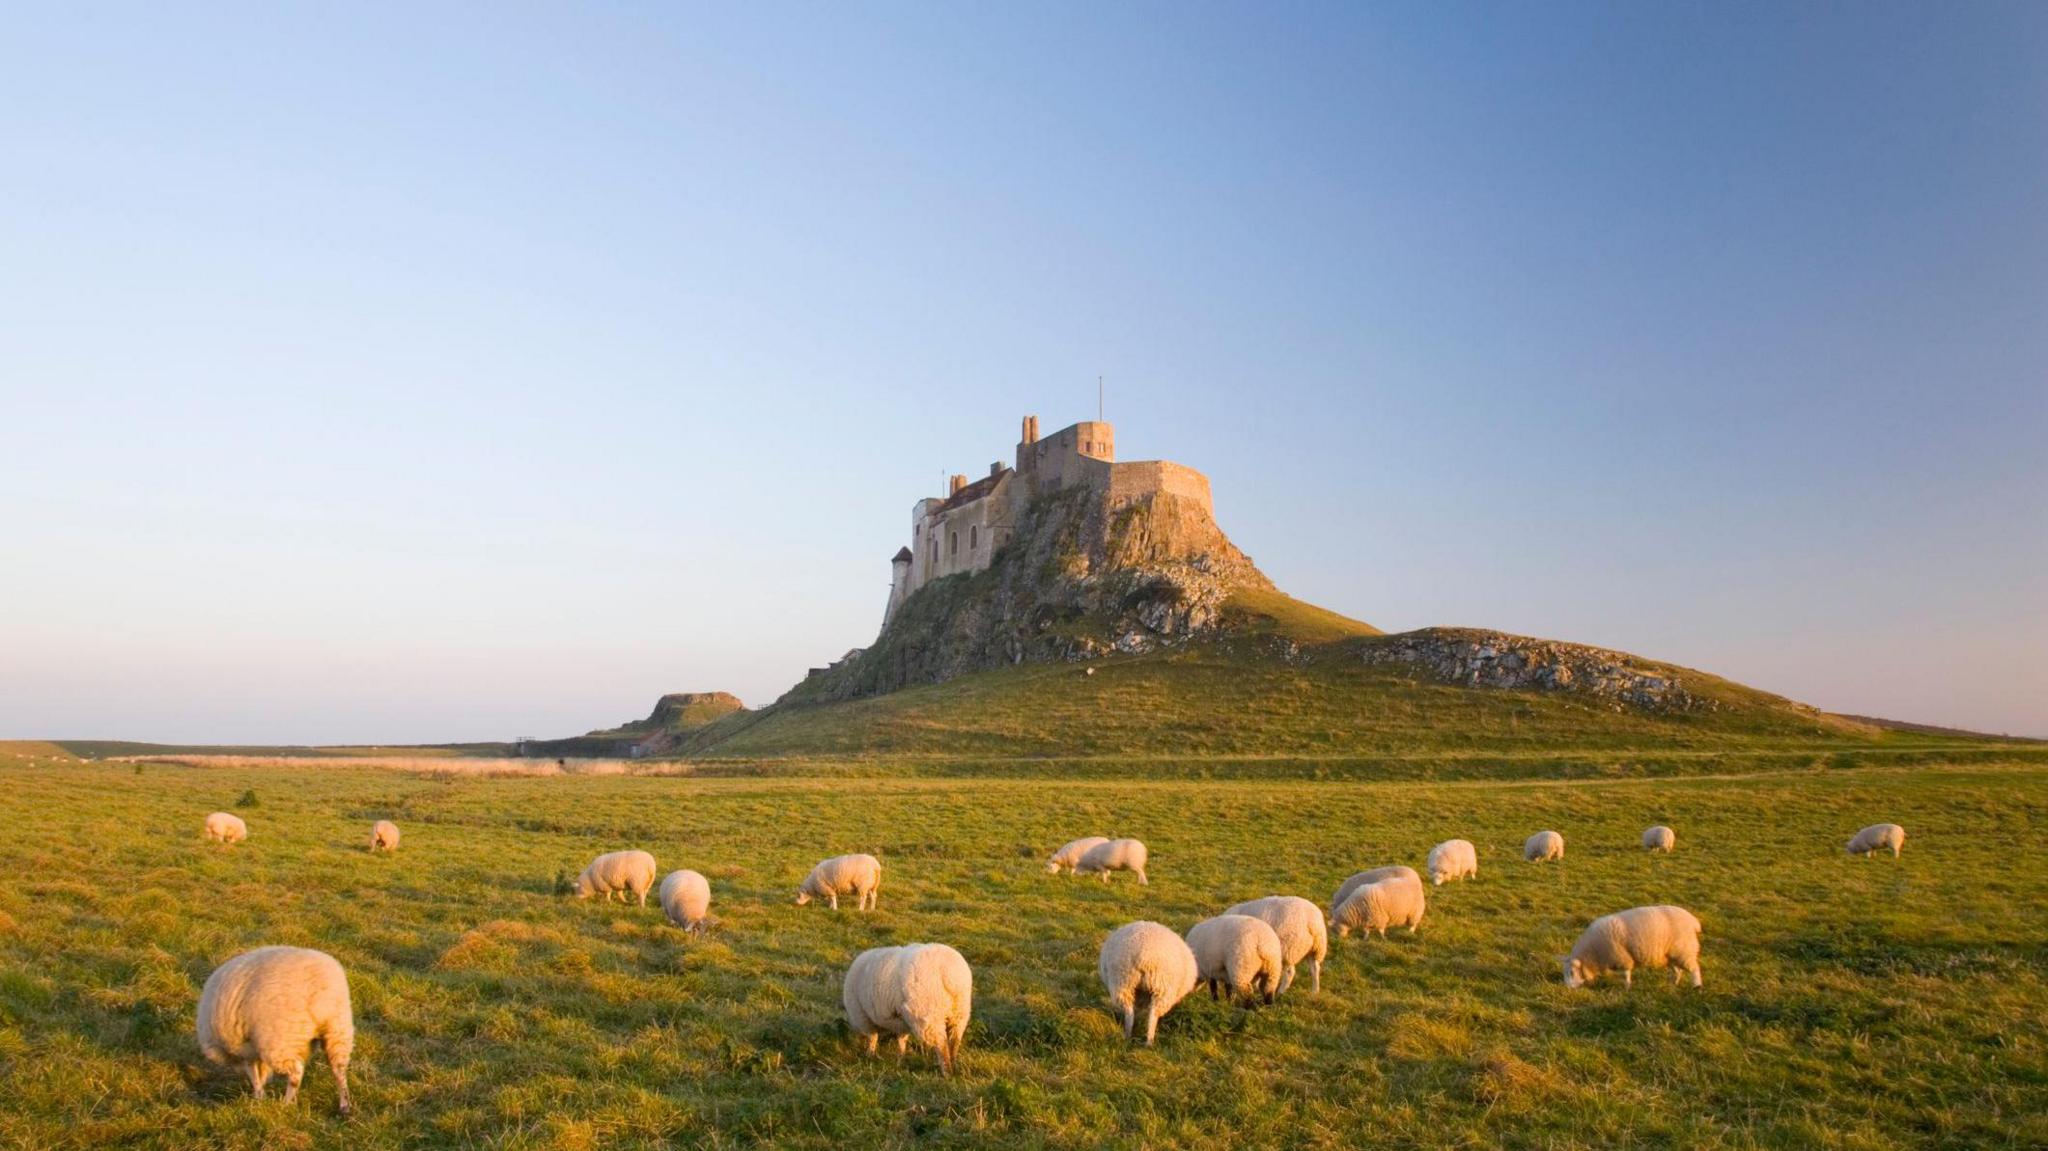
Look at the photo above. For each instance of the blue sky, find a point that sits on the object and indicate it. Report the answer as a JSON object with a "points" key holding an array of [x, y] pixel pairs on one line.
{"points": [[406, 373]]}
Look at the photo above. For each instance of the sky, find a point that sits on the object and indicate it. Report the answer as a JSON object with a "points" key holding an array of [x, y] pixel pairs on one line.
{"points": [[405, 373]]}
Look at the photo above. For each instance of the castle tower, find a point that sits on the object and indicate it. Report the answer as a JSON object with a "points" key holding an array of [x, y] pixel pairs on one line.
{"points": [[899, 583]]}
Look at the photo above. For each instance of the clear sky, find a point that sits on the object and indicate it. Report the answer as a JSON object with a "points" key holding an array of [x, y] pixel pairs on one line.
{"points": [[425, 372]]}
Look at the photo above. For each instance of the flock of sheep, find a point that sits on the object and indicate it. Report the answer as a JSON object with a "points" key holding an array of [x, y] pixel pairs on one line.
{"points": [[263, 1009]]}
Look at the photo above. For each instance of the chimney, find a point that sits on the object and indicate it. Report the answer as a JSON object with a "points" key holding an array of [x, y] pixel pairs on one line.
{"points": [[1030, 429], [996, 469], [958, 483]]}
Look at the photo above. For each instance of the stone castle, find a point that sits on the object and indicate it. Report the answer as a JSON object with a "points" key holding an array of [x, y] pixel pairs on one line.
{"points": [[962, 530]]}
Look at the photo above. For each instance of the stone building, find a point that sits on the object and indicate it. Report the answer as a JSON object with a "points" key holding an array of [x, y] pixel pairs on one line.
{"points": [[961, 531]]}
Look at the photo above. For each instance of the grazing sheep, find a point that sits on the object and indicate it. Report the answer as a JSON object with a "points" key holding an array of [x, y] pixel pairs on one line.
{"points": [[1396, 901], [1115, 855], [1070, 855], [1660, 838], [686, 898], [1146, 969], [264, 1008], [1543, 847], [856, 875], [919, 990], [1299, 924], [618, 873], [1638, 937], [1239, 954], [1453, 859], [224, 828], [1344, 889], [384, 836], [1878, 835]]}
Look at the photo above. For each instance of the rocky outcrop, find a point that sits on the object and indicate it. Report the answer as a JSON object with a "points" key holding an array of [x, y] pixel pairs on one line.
{"points": [[1473, 658], [1083, 575]]}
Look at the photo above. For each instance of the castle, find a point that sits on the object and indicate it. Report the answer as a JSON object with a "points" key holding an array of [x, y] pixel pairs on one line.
{"points": [[962, 530]]}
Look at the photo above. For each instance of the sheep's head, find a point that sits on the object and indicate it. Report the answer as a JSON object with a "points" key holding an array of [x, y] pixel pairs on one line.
{"points": [[1052, 867], [584, 888], [802, 897], [1574, 971]]}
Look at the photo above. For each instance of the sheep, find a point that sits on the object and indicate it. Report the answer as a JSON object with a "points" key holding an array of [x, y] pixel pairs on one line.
{"points": [[1543, 847], [1396, 901], [1453, 859], [1359, 880], [1878, 835], [1069, 856], [1239, 954], [1660, 838], [384, 836], [620, 873], [1639, 937], [264, 1008], [919, 990], [1114, 855], [224, 828], [686, 898], [856, 875], [1299, 924], [1145, 967]]}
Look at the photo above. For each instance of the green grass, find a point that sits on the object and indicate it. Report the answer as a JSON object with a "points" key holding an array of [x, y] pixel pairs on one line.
{"points": [[1848, 1004]]}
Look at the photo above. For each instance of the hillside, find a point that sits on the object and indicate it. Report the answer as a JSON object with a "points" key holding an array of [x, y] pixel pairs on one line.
{"points": [[1283, 686]]}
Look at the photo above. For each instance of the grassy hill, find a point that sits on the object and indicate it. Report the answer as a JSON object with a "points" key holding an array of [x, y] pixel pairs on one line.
{"points": [[1286, 688]]}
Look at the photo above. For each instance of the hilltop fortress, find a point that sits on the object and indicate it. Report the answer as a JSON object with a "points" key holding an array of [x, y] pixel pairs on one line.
{"points": [[962, 530], [1065, 554]]}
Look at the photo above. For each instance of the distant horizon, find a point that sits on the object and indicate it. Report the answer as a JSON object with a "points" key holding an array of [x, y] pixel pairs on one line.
{"points": [[380, 377]]}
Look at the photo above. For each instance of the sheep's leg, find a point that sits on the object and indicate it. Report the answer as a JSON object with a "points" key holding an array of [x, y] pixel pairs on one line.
{"points": [[1105, 874], [1286, 980], [339, 1065], [258, 1076], [903, 1045], [1142, 881], [1315, 971], [293, 1073], [643, 897], [1151, 1022], [833, 900], [1692, 968], [874, 1038], [1213, 995], [1130, 1019], [1628, 977]]}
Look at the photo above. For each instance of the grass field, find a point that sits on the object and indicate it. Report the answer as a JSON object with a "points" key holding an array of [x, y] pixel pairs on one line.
{"points": [[1848, 1003]]}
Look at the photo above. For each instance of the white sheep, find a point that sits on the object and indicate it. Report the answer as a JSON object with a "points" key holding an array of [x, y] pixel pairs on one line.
{"points": [[1396, 901], [384, 836], [1638, 937], [1070, 855], [620, 873], [1237, 954], [264, 1008], [1113, 855], [1344, 889], [856, 875], [919, 990], [1453, 859], [224, 828], [1299, 924], [1660, 838], [1876, 837], [1146, 968], [1543, 847], [686, 898]]}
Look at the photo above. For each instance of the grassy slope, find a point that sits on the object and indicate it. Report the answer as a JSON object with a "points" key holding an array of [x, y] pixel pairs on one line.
{"points": [[1238, 699], [1849, 1004]]}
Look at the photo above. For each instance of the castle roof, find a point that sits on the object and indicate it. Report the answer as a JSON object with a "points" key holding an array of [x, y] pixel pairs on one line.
{"points": [[902, 556], [974, 491]]}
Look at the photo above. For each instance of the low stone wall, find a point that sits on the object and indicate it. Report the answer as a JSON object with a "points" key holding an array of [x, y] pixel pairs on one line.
{"points": [[1131, 482]]}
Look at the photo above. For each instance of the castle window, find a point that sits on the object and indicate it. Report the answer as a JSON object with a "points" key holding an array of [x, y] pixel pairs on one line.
{"points": [[973, 537], [952, 543]]}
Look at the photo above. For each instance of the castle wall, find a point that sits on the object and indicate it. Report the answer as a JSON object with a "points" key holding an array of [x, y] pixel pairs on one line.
{"points": [[960, 538], [1134, 481], [1077, 454]]}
